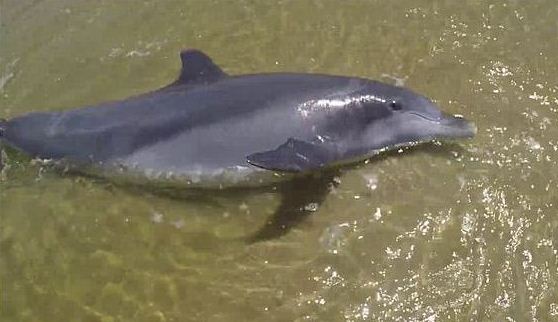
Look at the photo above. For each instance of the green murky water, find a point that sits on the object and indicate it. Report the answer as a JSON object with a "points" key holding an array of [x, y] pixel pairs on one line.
{"points": [[442, 232]]}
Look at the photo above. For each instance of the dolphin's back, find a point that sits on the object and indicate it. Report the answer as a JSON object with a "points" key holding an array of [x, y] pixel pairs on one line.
{"points": [[217, 123]]}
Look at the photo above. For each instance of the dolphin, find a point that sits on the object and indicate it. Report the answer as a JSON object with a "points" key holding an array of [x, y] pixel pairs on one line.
{"points": [[211, 129], [207, 124]]}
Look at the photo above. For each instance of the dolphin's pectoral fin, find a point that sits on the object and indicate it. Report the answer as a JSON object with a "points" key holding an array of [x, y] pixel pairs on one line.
{"points": [[300, 198], [293, 156], [198, 68]]}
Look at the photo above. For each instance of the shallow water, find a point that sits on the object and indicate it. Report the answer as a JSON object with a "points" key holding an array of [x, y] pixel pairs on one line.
{"points": [[464, 231]]}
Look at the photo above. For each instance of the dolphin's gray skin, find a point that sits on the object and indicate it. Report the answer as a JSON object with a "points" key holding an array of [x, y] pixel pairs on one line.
{"points": [[210, 128]]}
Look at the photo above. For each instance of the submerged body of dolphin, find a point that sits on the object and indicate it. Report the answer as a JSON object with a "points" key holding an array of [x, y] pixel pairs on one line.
{"points": [[209, 128]]}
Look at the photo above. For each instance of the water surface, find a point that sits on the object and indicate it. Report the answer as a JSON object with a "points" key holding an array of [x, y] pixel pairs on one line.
{"points": [[442, 232]]}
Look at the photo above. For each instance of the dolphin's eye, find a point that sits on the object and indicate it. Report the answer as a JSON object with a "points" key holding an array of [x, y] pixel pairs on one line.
{"points": [[395, 105]]}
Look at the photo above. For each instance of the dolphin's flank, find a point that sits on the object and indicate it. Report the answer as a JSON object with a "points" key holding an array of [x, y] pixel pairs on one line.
{"points": [[208, 127]]}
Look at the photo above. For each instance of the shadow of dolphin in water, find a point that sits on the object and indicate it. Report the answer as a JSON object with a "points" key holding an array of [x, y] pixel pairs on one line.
{"points": [[301, 196]]}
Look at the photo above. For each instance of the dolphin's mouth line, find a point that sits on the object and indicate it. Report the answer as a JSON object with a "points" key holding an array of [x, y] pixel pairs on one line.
{"points": [[448, 121], [437, 120]]}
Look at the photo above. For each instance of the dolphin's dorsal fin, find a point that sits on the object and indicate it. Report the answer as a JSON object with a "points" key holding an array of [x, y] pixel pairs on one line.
{"points": [[198, 68]]}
